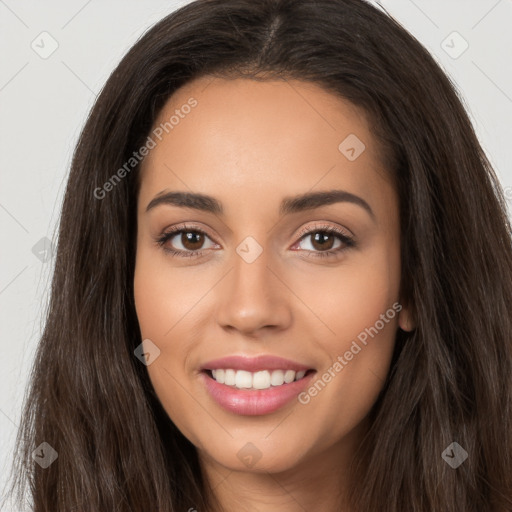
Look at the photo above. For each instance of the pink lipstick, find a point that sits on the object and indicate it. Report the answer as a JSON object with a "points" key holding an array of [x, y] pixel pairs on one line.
{"points": [[254, 385]]}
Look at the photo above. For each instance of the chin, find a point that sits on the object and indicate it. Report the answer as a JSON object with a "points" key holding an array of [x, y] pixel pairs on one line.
{"points": [[258, 456]]}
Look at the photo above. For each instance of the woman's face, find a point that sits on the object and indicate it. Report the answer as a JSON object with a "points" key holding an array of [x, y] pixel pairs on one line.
{"points": [[259, 274]]}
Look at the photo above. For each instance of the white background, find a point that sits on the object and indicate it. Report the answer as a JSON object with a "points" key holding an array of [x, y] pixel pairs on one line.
{"points": [[44, 103]]}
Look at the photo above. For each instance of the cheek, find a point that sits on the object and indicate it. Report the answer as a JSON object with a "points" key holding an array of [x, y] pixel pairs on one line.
{"points": [[164, 296], [165, 307], [362, 298], [351, 298], [358, 307], [165, 303]]}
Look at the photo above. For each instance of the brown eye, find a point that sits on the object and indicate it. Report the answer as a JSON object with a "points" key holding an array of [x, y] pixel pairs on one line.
{"points": [[322, 240], [184, 241], [192, 240]]}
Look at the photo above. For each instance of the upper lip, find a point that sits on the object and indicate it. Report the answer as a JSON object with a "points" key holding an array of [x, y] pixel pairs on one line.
{"points": [[253, 364]]}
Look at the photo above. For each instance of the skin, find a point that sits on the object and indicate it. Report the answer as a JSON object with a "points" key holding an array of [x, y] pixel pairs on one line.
{"points": [[250, 144]]}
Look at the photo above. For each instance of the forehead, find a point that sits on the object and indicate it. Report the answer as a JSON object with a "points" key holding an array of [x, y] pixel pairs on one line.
{"points": [[248, 138]]}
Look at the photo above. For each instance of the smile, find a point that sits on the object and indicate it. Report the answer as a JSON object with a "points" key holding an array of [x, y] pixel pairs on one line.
{"points": [[264, 379], [254, 385]]}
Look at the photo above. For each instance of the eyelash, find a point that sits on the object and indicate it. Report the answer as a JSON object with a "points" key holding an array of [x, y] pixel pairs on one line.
{"points": [[346, 239]]}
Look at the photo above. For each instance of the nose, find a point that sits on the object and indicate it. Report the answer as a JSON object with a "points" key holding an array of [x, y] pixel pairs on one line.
{"points": [[253, 297]]}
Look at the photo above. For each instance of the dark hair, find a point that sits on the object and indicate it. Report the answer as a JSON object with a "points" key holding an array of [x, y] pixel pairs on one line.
{"points": [[91, 399]]}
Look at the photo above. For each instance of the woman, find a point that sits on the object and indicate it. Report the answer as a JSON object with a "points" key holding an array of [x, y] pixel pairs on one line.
{"points": [[204, 351]]}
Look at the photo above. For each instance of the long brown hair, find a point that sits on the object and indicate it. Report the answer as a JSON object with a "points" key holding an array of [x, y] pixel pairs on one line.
{"points": [[450, 381]]}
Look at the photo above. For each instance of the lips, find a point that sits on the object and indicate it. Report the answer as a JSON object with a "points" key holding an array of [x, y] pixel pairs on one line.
{"points": [[254, 364], [252, 402]]}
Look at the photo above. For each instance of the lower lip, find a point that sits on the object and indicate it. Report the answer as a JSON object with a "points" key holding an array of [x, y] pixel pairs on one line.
{"points": [[254, 402]]}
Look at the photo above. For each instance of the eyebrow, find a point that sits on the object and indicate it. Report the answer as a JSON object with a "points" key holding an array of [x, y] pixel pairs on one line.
{"points": [[289, 205]]}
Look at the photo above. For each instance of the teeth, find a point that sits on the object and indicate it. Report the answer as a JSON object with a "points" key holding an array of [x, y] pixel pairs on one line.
{"points": [[229, 377], [289, 376], [277, 378], [261, 380], [242, 379]]}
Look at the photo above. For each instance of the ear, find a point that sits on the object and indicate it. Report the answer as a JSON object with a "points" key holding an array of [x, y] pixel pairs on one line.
{"points": [[406, 320]]}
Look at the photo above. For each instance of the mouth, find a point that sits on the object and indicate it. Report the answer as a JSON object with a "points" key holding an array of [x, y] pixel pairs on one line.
{"points": [[260, 380], [254, 393]]}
